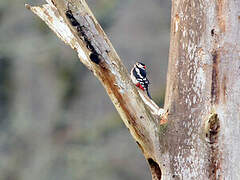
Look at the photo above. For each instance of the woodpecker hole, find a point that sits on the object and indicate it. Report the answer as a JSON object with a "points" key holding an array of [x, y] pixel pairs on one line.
{"points": [[155, 169], [95, 57], [69, 14], [82, 33], [213, 128], [71, 18], [212, 136], [74, 22], [212, 32]]}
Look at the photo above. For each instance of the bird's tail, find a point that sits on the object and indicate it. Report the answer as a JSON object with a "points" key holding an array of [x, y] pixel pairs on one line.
{"points": [[148, 94]]}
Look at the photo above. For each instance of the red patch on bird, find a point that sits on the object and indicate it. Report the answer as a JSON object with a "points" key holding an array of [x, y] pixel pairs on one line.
{"points": [[140, 86]]}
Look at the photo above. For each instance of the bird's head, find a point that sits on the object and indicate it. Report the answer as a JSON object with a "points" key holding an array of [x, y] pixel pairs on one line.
{"points": [[140, 65]]}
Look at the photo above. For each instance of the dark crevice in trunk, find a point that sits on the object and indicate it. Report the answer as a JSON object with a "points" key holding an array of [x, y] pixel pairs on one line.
{"points": [[214, 153], [215, 90], [155, 169]]}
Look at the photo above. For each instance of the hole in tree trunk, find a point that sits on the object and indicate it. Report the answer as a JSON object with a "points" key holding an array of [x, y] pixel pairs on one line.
{"points": [[212, 32], [95, 58], [155, 169]]}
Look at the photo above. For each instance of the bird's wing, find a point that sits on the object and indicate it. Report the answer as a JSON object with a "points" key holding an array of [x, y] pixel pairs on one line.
{"points": [[143, 73]]}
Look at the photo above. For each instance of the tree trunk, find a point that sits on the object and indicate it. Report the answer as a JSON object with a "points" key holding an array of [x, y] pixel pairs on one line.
{"points": [[196, 135], [203, 91]]}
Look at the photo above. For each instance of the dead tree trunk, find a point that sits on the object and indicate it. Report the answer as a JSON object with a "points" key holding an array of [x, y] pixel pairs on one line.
{"points": [[197, 135], [203, 90]]}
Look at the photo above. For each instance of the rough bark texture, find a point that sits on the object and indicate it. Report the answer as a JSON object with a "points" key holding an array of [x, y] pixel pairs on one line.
{"points": [[201, 137], [74, 23], [203, 90]]}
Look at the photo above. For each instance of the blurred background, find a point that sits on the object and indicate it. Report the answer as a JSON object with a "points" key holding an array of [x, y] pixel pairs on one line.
{"points": [[56, 121]]}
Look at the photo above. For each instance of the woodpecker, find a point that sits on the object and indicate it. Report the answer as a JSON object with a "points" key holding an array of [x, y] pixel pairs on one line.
{"points": [[139, 77]]}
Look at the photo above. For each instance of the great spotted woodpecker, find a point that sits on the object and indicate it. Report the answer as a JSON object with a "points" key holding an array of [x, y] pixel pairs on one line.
{"points": [[139, 77]]}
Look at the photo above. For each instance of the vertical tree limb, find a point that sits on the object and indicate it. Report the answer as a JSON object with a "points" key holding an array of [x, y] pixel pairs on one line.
{"points": [[203, 90]]}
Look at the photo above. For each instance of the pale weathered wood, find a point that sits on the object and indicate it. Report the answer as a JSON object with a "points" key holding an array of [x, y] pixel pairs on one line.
{"points": [[197, 135], [140, 114], [203, 90]]}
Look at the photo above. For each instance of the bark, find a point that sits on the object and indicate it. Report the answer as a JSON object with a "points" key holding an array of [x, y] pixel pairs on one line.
{"points": [[203, 91], [196, 136], [74, 23]]}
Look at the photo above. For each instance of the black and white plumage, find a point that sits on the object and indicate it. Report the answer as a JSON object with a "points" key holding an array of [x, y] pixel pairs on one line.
{"points": [[139, 77]]}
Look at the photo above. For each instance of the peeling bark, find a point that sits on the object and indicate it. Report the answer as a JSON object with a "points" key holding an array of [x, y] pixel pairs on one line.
{"points": [[196, 135]]}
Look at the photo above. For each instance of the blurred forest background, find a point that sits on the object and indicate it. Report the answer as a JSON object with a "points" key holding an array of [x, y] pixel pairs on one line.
{"points": [[56, 121]]}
